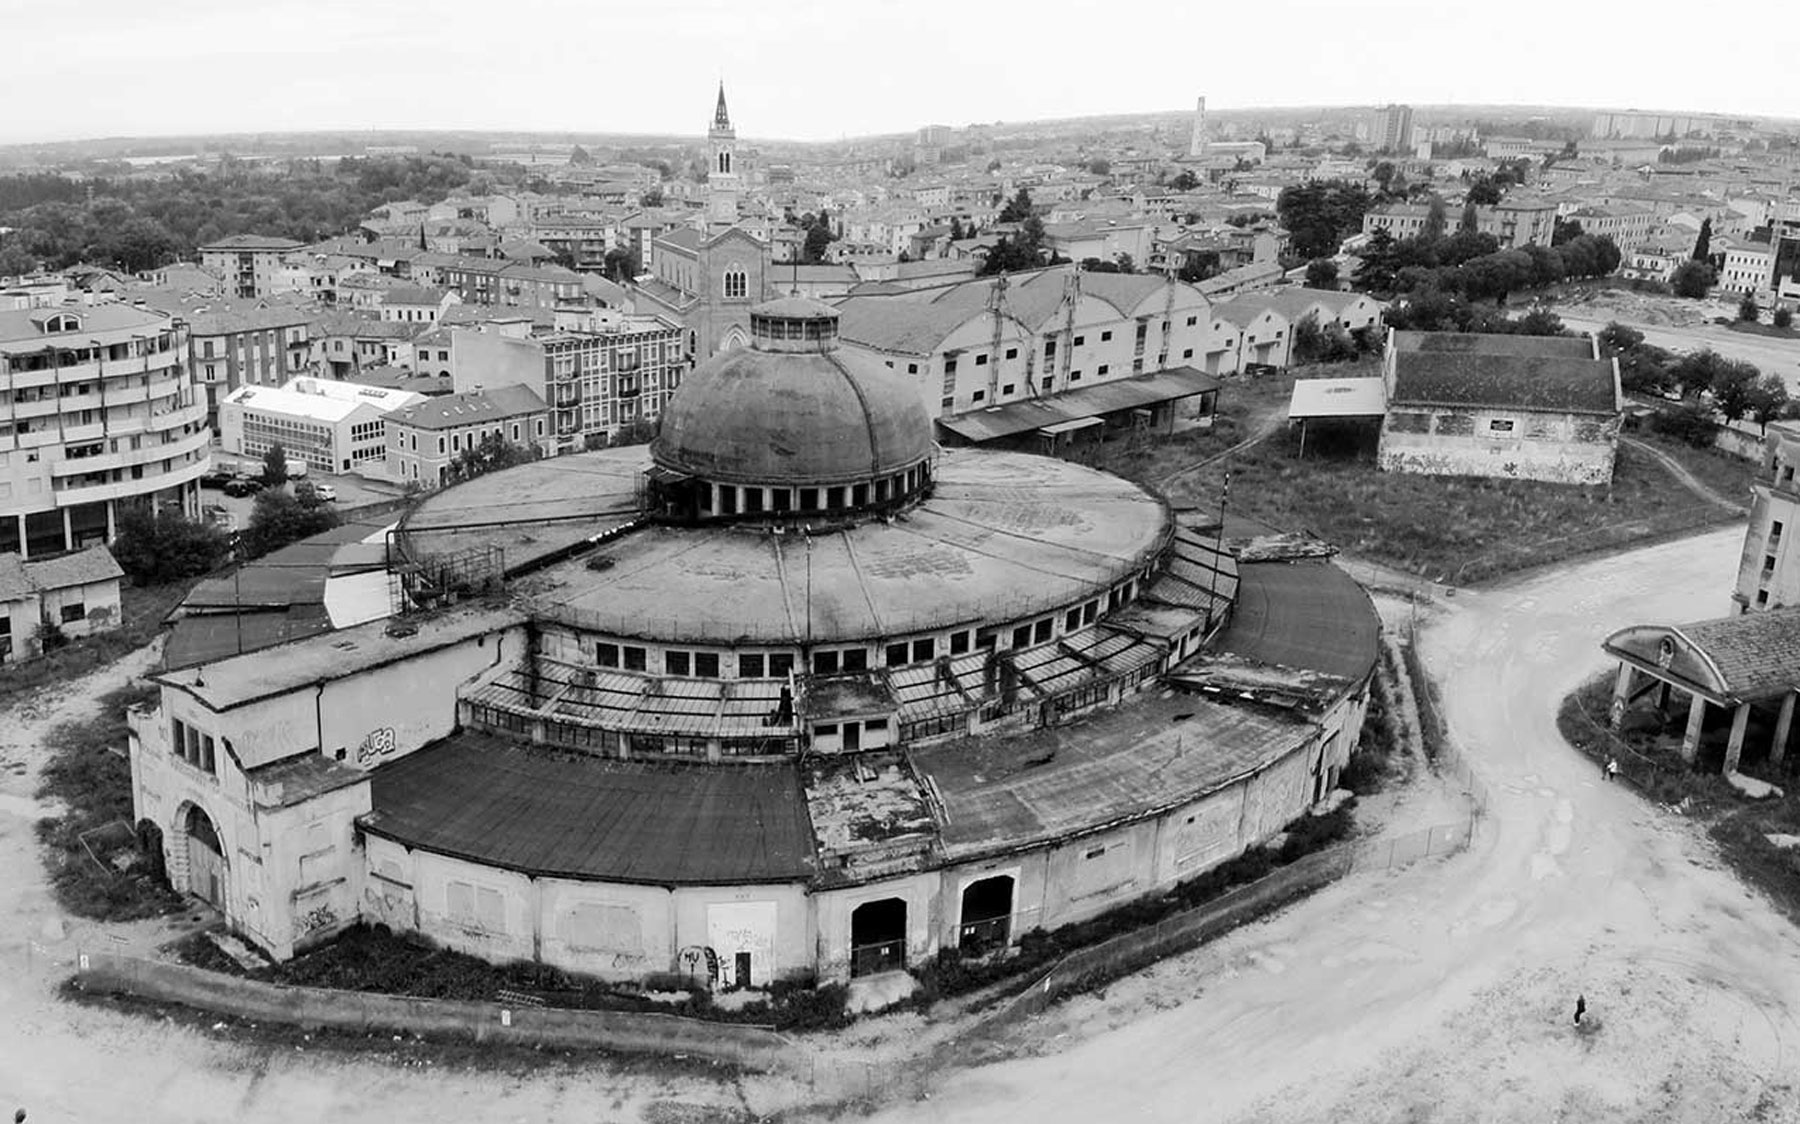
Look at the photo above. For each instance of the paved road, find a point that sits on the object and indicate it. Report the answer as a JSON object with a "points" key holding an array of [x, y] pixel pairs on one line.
{"points": [[1771, 356], [1444, 992]]}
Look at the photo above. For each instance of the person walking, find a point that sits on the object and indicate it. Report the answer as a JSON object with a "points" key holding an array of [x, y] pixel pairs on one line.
{"points": [[1612, 768], [1580, 1008]]}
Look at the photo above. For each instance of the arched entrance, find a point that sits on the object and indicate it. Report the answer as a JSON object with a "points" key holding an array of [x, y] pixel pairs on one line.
{"points": [[205, 858], [878, 937], [987, 907]]}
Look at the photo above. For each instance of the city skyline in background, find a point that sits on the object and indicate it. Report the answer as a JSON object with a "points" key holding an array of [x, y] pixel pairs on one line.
{"points": [[818, 72]]}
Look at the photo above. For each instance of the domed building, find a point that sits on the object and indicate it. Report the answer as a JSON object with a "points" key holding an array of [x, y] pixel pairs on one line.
{"points": [[791, 691]]}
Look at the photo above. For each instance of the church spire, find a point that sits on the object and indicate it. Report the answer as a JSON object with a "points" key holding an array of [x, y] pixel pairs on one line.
{"points": [[721, 118]]}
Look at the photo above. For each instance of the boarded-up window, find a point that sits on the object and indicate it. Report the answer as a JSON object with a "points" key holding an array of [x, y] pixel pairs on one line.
{"points": [[1409, 422], [1455, 425], [490, 909], [459, 902], [1500, 425], [603, 927]]}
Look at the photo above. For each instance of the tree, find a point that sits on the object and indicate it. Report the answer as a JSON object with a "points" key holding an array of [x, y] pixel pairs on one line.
{"points": [[1321, 273], [275, 466], [1735, 388], [1484, 192], [1783, 317], [1099, 166], [1564, 230], [1693, 279], [956, 229], [1319, 216], [651, 198], [818, 239], [1436, 218], [1471, 219], [1697, 371], [492, 454], [1018, 208], [1185, 180], [277, 519], [1768, 400], [1703, 242], [579, 157], [1748, 311], [1125, 264], [154, 547], [621, 264]]}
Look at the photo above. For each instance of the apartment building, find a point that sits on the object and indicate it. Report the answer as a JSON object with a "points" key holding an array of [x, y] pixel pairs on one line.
{"points": [[240, 343], [250, 263], [331, 426], [1627, 224], [424, 439], [510, 284], [598, 382], [98, 409]]}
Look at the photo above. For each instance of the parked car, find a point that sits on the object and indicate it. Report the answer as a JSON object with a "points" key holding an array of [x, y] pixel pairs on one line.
{"points": [[243, 486], [217, 478], [1261, 369], [325, 492]]}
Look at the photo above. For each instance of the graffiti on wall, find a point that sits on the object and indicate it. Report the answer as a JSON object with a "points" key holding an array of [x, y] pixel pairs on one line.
{"points": [[315, 919], [378, 744], [696, 959]]}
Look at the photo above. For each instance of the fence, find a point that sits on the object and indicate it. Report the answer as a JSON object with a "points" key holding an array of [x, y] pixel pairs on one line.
{"points": [[752, 1047]]}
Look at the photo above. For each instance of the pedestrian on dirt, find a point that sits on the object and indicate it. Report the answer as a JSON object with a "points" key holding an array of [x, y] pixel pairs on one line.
{"points": [[1612, 768], [1580, 1008]]}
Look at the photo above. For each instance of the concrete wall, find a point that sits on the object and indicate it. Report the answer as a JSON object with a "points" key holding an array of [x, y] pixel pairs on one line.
{"points": [[756, 1048], [1560, 448]]}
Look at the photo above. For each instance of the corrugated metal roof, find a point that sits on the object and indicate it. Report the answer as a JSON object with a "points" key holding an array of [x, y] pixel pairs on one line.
{"points": [[1090, 401], [1308, 615], [480, 797]]}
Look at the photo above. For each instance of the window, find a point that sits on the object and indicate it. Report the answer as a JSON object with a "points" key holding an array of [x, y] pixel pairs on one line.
{"points": [[751, 665], [1072, 620], [981, 360], [606, 655], [1187, 353], [924, 650], [1775, 530], [74, 612], [1049, 350], [1021, 636], [736, 284], [978, 395], [1500, 425], [706, 665], [1074, 376], [1192, 320], [1079, 340], [896, 654], [1012, 353], [959, 642], [1007, 389], [677, 663], [825, 663], [809, 499], [912, 368], [635, 658], [825, 730], [781, 665], [1768, 563], [1104, 336], [753, 501], [1104, 367], [1043, 630], [1762, 597], [949, 364], [856, 659]]}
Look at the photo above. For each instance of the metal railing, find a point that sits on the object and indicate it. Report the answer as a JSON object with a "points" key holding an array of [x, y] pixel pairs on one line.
{"points": [[873, 959]]}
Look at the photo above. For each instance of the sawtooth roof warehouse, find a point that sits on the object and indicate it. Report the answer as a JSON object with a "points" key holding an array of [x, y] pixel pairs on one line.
{"points": [[793, 690]]}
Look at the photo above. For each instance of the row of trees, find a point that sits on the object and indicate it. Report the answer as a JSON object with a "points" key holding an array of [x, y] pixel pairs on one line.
{"points": [[1471, 263], [140, 224], [1735, 389]]}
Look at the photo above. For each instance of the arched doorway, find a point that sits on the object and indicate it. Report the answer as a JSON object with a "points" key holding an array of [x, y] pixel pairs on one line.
{"points": [[987, 907], [205, 856], [878, 937]]}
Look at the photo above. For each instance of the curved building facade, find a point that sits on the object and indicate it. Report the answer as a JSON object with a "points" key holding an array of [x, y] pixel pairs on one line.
{"points": [[97, 409], [790, 692]]}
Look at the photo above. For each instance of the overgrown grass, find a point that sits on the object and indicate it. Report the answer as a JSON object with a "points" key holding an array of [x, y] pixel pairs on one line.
{"points": [[1648, 750], [1369, 768], [104, 878], [1433, 733], [951, 975], [374, 959], [1447, 528], [143, 611]]}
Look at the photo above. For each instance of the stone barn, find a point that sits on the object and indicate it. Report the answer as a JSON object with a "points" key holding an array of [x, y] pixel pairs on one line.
{"points": [[1523, 407]]}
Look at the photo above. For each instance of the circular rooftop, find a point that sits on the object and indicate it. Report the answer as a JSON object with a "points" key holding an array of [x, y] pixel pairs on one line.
{"points": [[793, 410]]}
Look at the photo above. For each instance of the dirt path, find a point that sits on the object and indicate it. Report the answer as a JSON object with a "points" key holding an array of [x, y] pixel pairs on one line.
{"points": [[1262, 424], [1685, 478], [1444, 991]]}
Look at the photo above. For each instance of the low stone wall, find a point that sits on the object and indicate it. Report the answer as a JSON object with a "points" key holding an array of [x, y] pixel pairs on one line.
{"points": [[752, 1047], [1129, 951]]}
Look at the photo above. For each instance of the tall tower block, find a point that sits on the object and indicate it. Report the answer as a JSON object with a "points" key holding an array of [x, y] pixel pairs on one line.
{"points": [[722, 181], [1197, 142]]}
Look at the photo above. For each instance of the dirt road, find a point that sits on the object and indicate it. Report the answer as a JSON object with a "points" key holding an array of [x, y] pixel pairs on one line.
{"points": [[1445, 992], [1442, 992]]}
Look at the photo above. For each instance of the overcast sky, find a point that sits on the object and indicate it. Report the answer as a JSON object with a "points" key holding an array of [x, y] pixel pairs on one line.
{"points": [[815, 70]]}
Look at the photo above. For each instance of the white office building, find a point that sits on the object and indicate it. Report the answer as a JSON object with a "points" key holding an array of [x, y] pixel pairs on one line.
{"points": [[331, 426]]}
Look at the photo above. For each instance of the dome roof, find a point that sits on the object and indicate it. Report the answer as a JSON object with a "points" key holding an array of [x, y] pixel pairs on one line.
{"points": [[821, 416]]}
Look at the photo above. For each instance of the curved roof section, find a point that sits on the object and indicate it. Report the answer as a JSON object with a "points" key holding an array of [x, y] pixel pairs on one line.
{"points": [[1308, 615], [483, 798], [1730, 659], [793, 418]]}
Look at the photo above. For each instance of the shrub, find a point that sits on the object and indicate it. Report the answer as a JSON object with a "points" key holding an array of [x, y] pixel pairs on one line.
{"points": [[154, 547], [1692, 423], [1783, 317], [1748, 311], [1693, 279]]}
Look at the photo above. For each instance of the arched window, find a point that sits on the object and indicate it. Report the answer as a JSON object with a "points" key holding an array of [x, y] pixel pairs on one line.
{"points": [[736, 284], [725, 162]]}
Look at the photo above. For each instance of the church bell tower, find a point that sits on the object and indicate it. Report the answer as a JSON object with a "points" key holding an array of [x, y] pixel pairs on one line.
{"points": [[722, 181]]}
